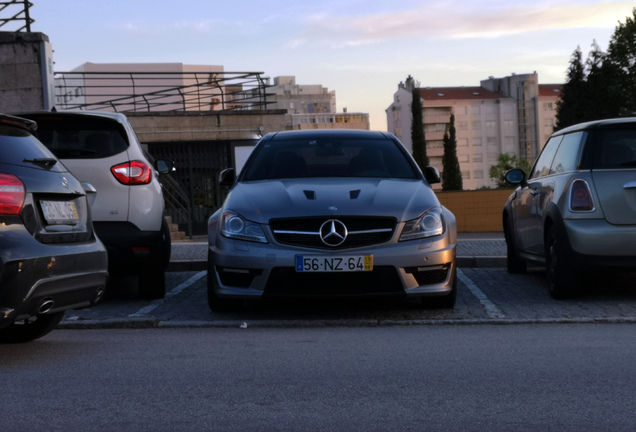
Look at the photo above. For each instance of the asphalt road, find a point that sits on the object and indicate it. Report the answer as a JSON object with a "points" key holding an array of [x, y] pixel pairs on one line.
{"points": [[408, 378]]}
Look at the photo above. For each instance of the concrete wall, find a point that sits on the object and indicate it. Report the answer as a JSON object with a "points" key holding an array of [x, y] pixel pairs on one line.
{"points": [[26, 71], [477, 211], [162, 126]]}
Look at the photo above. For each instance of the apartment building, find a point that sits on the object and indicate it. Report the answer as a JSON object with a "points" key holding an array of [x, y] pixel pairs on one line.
{"points": [[312, 106], [513, 115]]}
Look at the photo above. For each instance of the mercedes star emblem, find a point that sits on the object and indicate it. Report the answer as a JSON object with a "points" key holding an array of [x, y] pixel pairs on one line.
{"points": [[333, 232]]}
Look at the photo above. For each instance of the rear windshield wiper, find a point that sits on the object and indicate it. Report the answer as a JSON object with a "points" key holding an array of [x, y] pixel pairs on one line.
{"points": [[49, 162]]}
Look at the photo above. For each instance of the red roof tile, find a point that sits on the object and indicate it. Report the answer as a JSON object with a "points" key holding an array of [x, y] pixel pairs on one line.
{"points": [[458, 93], [550, 89]]}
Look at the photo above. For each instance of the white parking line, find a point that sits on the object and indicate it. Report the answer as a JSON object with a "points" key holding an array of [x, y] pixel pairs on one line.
{"points": [[491, 309], [145, 311]]}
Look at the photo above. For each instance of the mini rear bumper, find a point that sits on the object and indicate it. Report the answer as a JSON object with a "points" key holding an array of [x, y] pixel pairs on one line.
{"points": [[597, 243]]}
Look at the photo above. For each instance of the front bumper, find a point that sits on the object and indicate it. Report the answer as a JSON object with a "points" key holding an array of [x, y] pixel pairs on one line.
{"points": [[414, 268]]}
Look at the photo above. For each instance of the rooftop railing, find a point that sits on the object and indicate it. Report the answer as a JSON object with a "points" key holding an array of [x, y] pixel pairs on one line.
{"points": [[20, 17], [161, 91]]}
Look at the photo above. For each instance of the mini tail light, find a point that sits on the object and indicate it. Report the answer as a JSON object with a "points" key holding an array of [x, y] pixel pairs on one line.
{"points": [[12, 193], [132, 173], [580, 196]]}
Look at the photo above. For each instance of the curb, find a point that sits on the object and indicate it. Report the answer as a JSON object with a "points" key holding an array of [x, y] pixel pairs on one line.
{"points": [[155, 323]]}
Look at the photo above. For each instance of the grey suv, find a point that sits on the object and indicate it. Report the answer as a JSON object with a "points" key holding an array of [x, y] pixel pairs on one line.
{"points": [[577, 210], [128, 206]]}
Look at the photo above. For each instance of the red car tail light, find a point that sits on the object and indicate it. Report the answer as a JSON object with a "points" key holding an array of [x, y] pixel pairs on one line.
{"points": [[132, 173], [12, 193], [581, 197]]}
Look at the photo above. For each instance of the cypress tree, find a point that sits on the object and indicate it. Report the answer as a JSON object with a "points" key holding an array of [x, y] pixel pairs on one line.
{"points": [[571, 102], [417, 130], [452, 175]]}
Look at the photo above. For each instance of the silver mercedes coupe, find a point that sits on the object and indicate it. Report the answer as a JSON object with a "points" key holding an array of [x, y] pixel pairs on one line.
{"points": [[331, 213]]}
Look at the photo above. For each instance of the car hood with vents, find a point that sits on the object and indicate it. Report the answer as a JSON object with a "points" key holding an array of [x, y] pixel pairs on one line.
{"points": [[260, 201]]}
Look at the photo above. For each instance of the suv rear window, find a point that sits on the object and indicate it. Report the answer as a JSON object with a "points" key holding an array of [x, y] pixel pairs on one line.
{"points": [[615, 148], [77, 137]]}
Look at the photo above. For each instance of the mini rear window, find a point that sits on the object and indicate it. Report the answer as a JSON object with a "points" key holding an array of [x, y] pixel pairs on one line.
{"points": [[77, 137], [615, 148]]}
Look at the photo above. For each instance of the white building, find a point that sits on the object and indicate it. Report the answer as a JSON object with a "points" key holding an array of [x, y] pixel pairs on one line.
{"points": [[513, 115], [312, 106]]}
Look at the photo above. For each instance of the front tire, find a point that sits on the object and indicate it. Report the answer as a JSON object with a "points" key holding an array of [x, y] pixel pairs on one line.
{"points": [[30, 329]]}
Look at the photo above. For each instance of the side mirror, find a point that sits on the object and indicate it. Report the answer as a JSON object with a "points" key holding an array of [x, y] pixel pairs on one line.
{"points": [[164, 166], [227, 177], [432, 175], [515, 176]]}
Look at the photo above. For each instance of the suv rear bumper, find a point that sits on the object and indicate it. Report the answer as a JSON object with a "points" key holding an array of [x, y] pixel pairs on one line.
{"points": [[130, 249]]}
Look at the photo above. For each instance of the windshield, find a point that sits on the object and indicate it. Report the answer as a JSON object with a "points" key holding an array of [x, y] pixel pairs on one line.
{"points": [[282, 159]]}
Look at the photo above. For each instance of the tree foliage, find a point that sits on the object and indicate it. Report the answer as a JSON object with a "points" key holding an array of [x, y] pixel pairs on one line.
{"points": [[451, 174], [507, 162], [417, 130], [605, 85]]}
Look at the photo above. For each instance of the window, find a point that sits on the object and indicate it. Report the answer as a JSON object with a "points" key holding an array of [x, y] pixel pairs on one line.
{"points": [[462, 142], [479, 174], [478, 158], [566, 157], [477, 142], [543, 165]]}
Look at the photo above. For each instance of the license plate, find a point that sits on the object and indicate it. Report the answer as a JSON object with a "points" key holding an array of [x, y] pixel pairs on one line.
{"points": [[59, 212], [345, 263]]}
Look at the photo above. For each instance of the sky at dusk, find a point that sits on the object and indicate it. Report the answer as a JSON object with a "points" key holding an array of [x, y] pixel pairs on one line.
{"points": [[362, 49]]}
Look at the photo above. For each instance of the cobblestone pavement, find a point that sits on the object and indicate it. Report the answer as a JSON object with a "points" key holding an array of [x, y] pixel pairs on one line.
{"points": [[486, 294]]}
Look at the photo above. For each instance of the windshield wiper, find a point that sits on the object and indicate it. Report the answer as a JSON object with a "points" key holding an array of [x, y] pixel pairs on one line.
{"points": [[49, 162]]}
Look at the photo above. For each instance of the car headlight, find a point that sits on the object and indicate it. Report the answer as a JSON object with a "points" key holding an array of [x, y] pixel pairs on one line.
{"points": [[237, 227], [428, 224]]}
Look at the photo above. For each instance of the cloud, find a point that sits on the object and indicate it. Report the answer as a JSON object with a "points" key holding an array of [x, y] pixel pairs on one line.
{"points": [[457, 19]]}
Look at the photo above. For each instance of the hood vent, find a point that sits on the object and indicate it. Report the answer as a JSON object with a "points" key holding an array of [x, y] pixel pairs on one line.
{"points": [[354, 194], [310, 195]]}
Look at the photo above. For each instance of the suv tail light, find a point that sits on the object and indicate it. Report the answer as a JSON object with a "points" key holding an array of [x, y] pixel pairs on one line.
{"points": [[12, 193], [132, 173], [580, 196]]}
